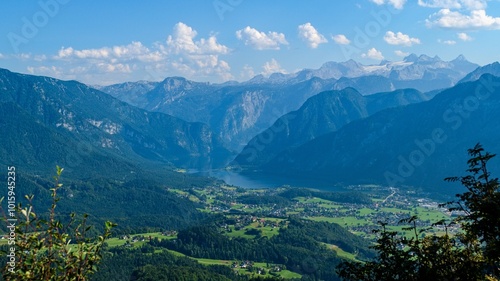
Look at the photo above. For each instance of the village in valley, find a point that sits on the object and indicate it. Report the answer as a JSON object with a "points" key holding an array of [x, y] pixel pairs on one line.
{"points": [[261, 212], [257, 213]]}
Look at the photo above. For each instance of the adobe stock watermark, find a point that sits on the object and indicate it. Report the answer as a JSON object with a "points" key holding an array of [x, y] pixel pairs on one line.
{"points": [[11, 219], [222, 7], [32, 25], [372, 29], [454, 116]]}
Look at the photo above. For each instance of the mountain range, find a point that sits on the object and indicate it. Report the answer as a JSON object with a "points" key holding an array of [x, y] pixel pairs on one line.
{"points": [[493, 69], [415, 145], [408, 73], [296, 127], [323, 113], [45, 121], [239, 111]]}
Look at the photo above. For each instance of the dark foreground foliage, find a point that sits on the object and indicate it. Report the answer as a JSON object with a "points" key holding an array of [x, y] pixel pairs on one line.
{"points": [[473, 254], [48, 249]]}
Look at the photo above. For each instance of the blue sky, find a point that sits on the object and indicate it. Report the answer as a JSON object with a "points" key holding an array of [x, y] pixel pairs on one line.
{"points": [[104, 42]]}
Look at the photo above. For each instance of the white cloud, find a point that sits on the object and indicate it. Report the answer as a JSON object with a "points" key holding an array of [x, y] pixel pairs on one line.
{"points": [[40, 57], [247, 72], [202, 66], [260, 40], [460, 14], [98, 63], [448, 4], [2, 56], [454, 4], [464, 36], [23, 56], [182, 53], [475, 4], [109, 67], [341, 39], [195, 58], [398, 4], [308, 33], [47, 70], [400, 39], [132, 51], [373, 54], [101, 53], [182, 41], [477, 19], [447, 42], [400, 53], [271, 67]]}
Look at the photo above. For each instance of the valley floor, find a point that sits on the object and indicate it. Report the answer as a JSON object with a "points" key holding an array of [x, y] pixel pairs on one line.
{"points": [[256, 213]]}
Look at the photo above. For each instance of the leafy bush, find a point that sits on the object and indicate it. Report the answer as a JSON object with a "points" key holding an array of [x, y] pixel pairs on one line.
{"points": [[43, 249]]}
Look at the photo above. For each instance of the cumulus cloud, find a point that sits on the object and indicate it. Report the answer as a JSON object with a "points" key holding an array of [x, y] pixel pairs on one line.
{"points": [[182, 41], [22, 56], [449, 4], [98, 61], [398, 4], [476, 19], [182, 53], [40, 57], [309, 34], [261, 40], [460, 14], [271, 67], [400, 39], [464, 36], [447, 42], [247, 72], [400, 53], [373, 54], [118, 67], [49, 70], [200, 58], [102, 53], [134, 50], [454, 4], [341, 39]]}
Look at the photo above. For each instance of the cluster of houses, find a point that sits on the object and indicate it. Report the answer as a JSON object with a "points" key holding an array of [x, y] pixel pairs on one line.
{"points": [[133, 239], [226, 200], [249, 265], [141, 238], [241, 221], [169, 233]]}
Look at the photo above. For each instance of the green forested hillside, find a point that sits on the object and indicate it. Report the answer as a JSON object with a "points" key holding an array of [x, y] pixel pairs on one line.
{"points": [[415, 145], [136, 205], [46, 122], [299, 246]]}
